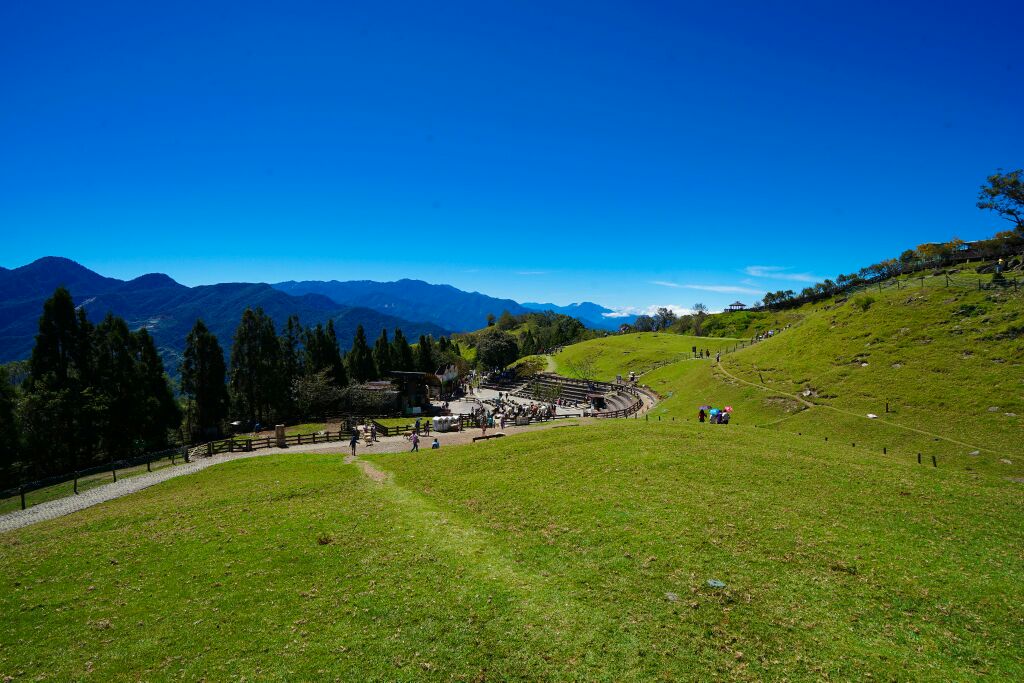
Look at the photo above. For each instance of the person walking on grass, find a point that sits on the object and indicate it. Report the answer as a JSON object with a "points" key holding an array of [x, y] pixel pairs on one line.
{"points": [[353, 441], [415, 438], [701, 416]]}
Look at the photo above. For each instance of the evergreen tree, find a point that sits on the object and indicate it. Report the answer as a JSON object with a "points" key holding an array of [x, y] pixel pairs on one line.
{"points": [[425, 361], [401, 352], [55, 411], [161, 413], [527, 343], [255, 360], [118, 397], [10, 436], [322, 353], [360, 358], [382, 354], [202, 381], [291, 365]]}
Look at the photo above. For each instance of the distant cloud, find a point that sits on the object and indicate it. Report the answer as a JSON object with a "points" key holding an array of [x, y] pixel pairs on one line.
{"points": [[531, 272], [780, 273], [627, 311], [721, 289]]}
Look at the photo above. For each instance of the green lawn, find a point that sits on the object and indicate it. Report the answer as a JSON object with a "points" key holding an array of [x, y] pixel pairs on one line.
{"points": [[640, 352], [571, 554]]}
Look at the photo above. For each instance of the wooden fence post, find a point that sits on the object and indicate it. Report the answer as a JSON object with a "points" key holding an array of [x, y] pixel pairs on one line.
{"points": [[149, 464], [209, 449], [76, 482], [113, 470], [22, 491]]}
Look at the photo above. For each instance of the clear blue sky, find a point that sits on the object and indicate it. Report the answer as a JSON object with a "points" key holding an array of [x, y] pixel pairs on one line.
{"points": [[626, 153]]}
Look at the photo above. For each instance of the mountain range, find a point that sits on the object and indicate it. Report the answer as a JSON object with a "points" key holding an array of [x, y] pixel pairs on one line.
{"points": [[168, 309]]}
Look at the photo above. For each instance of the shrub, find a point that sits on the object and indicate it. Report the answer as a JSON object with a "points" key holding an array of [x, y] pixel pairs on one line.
{"points": [[864, 302]]}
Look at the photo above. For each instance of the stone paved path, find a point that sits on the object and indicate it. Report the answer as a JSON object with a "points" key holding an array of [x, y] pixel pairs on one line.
{"points": [[123, 487]]}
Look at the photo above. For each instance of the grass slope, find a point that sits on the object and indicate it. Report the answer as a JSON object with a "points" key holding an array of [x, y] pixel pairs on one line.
{"points": [[639, 352], [949, 361], [579, 553]]}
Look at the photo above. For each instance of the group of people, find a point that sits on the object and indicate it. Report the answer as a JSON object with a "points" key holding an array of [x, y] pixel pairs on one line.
{"points": [[716, 416]]}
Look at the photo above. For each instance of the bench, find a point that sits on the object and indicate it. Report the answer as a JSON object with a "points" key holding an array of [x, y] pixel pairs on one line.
{"points": [[489, 436]]}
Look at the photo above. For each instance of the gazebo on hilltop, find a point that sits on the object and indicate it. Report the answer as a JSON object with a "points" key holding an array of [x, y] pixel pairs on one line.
{"points": [[735, 306]]}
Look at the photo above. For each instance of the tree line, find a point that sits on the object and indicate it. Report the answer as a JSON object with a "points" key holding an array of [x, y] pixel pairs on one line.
{"points": [[95, 393]]}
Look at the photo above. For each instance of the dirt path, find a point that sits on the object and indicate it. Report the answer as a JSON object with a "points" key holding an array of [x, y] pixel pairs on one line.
{"points": [[801, 399]]}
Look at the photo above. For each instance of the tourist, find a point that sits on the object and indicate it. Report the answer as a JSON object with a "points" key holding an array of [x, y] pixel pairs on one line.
{"points": [[354, 440], [416, 429], [415, 438], [718, 357], [373, 431], [437, 444], [702, 415]]}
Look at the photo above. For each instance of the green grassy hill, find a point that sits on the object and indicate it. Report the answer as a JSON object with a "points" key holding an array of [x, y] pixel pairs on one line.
{"points": [[578, 553], [639, 353], [949, 361]]}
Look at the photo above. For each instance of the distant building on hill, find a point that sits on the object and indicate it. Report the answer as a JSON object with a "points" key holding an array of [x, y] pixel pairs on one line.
{"points": [[735, 306]]}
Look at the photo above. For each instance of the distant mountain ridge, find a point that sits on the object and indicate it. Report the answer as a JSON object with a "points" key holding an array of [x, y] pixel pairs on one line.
{"points": [[169, 309], [443, 305], [589, 313]]}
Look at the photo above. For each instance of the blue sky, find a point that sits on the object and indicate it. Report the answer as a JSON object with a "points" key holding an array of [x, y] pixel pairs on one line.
{"points": [[633, 154]]}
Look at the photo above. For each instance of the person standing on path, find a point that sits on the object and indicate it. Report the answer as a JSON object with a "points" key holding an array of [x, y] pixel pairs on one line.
{"points": [[718, 357], [373, 431], [415, 438], [353, 441]]}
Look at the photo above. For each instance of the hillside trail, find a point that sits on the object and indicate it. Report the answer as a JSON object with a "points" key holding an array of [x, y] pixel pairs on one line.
{"points": [[552, 367], [810, 405], [368, 469]]}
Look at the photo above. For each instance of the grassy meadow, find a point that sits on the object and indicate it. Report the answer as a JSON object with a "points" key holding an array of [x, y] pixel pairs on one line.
{"points": [[580, 553], [639, 353]]}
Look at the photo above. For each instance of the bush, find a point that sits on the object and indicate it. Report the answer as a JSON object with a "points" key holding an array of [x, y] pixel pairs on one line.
{"points": [[864, 302]]}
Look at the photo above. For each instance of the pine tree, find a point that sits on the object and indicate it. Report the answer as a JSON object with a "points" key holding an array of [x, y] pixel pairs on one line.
{"points": [[291, 365], [10, 435], [161, 413], [202, 381], [56, 409], [322, 353], [360, 358], [118, 397], [425, 361], [255, 360], [382, 354], [401, 352]]}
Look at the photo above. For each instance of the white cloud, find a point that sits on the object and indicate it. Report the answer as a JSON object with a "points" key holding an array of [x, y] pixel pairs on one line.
{"points": [[663, 283], [531, 272], [650, 310], [780, 273]]}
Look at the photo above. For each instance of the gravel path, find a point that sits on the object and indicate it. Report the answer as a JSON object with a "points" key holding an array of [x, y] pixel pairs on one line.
{"points": [[52, 509], [123, 487]]}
